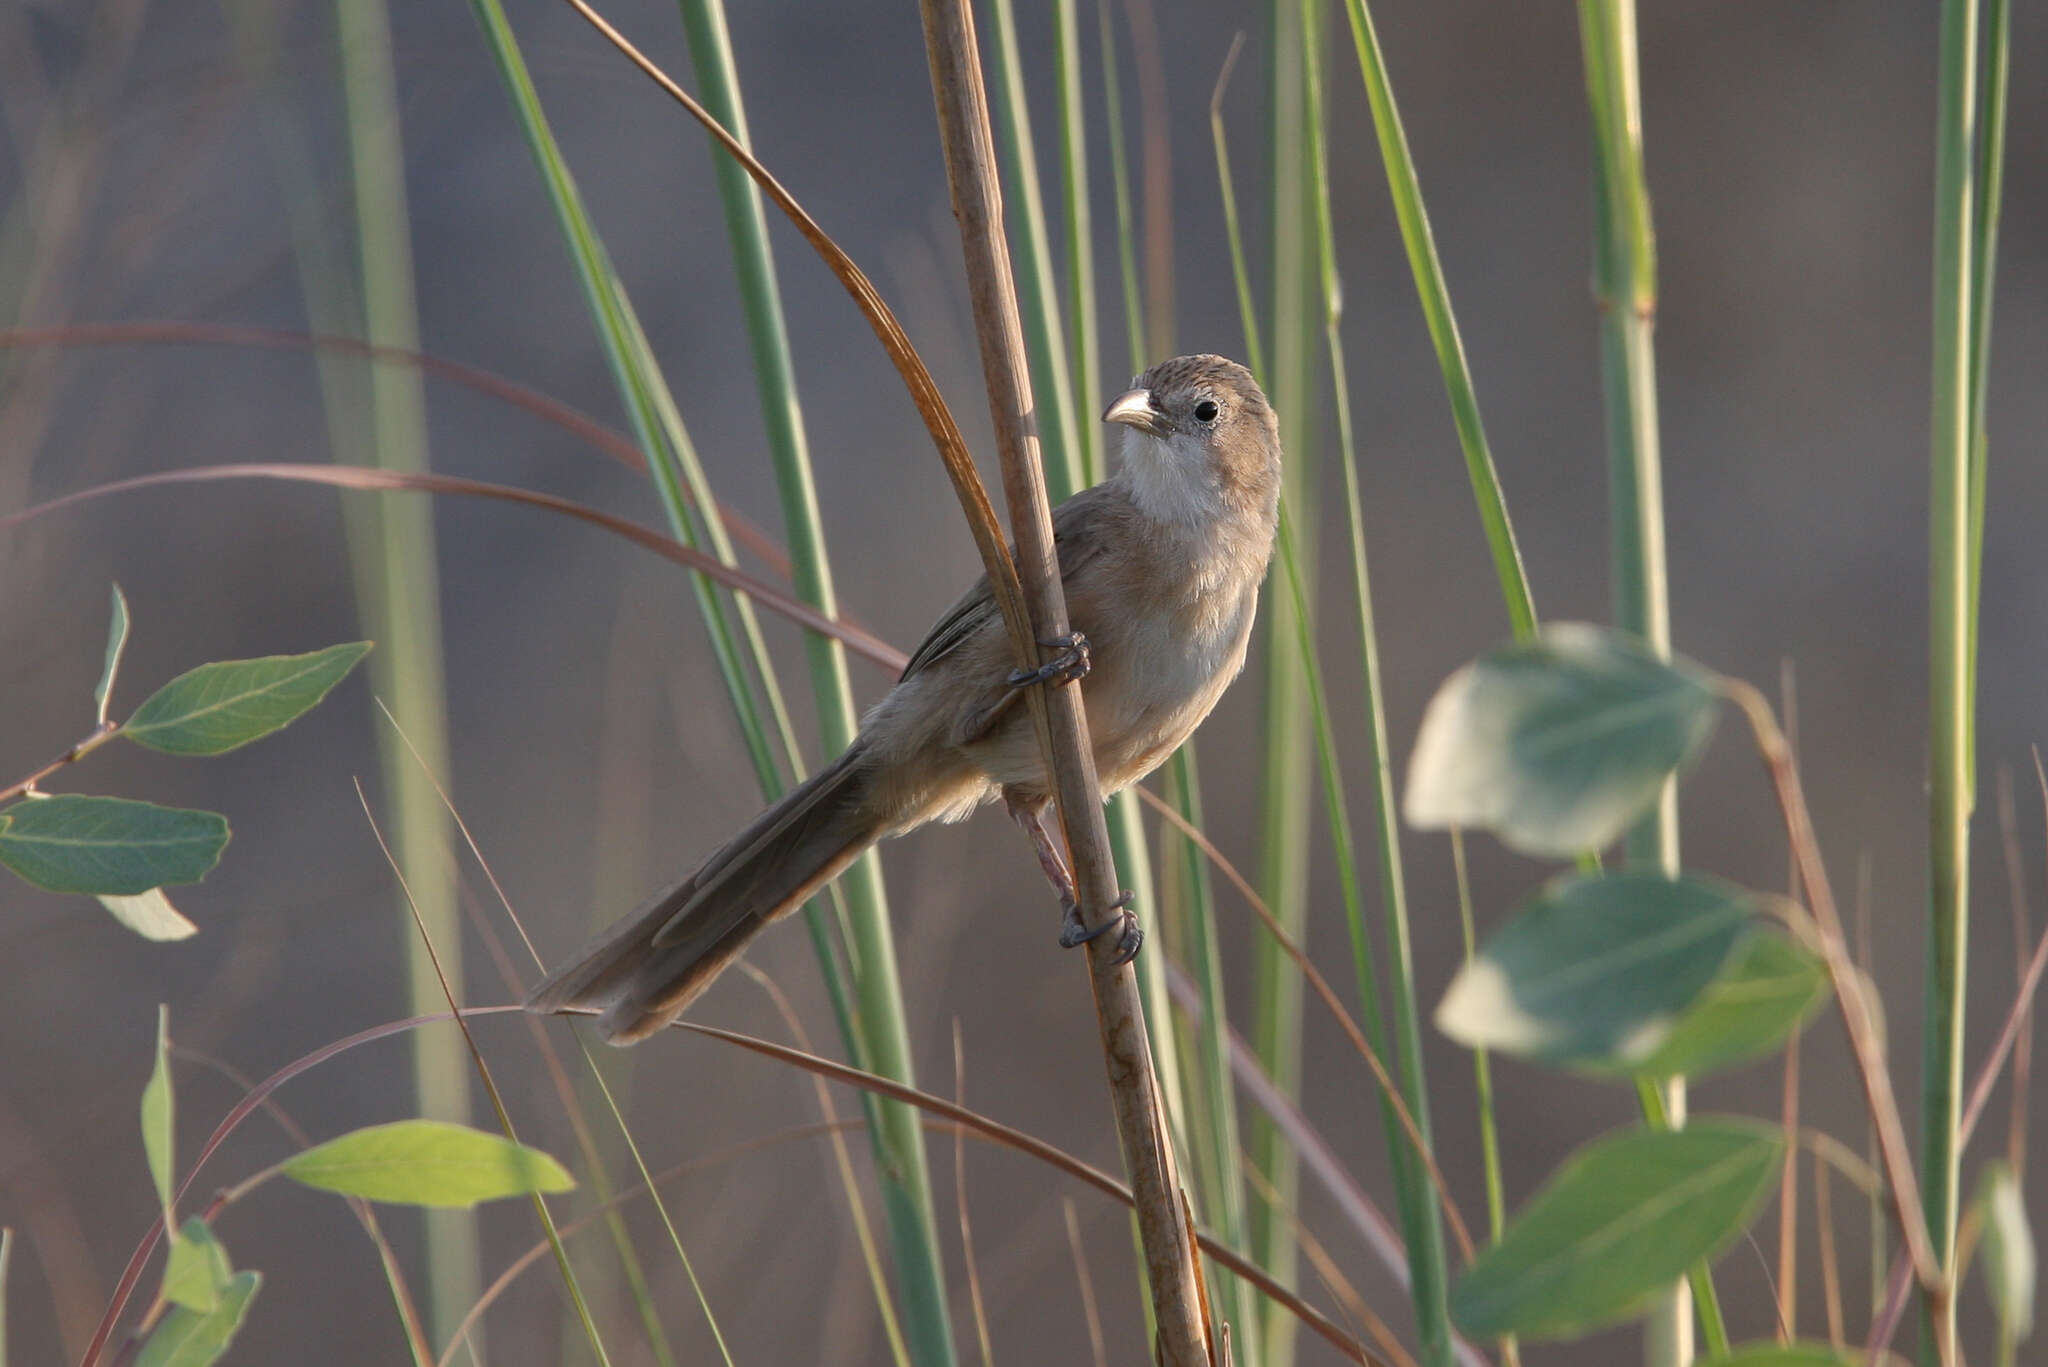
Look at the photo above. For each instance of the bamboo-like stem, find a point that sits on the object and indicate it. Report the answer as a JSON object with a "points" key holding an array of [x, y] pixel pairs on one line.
{"points": [[1625, 275], [1148, 1157], [881, 1030], [1950, 692], [392, 550], [1405, 188], [1038, 293], [1287, 779], [1428, 1272]]}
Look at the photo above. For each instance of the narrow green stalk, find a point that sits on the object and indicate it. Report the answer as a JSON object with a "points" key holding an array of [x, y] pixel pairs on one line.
{"points": [[1950, 695], [1625, 275], [1084, 326], [1990, 201], [1482, 1087], [1214, 1134], [391, 543], [1120, 184], [883, 1030], [1286, 795], [1421, 1220], [1406, 190], [1045, 344]]}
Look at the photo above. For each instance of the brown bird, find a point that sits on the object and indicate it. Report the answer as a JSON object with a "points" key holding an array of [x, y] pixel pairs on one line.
{"points": [[1161, 565]]}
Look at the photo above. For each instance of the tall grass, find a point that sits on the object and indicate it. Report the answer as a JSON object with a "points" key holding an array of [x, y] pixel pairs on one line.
{"points": [[1625, 276], [398, 591]]}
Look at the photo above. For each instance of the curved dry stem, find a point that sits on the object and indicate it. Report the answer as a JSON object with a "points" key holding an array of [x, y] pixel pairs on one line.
{"points": [[362, 478], [574, 421], [1848, 983], [924, 390], [1034, 1147]]}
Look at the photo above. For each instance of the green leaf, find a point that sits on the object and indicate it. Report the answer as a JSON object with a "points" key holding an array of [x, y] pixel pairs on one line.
{"points": [[216, 707], [1615, 1225], [193, 1338], [1783, 1355], [427, 1163], [197, 1272], [159, 1128], [1559, 744], [117, 639], [1596, 970], [1768, 990], [2009, 1271], [109, 845], [150, 915]]}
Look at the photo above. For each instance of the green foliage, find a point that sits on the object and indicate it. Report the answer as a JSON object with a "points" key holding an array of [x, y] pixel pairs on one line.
{"points": [[1596, 969], [1767, 990], [1559, 744], [219, 707], [159, 1127], [195, 1338], [108, 844], [2009, 1264], [117, 641], [1619, 1221], [197, 1272], [427, 1163]]}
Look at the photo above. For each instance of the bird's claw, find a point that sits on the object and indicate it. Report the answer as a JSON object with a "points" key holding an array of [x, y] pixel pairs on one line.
{"points": [[1130, 935], [1071, 665]]}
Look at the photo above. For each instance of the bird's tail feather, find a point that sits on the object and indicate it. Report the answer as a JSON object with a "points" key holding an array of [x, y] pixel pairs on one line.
{"points": [[640, 975]]}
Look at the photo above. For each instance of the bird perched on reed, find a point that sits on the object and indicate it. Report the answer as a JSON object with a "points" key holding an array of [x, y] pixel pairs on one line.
{"points": [[1161, 565]]}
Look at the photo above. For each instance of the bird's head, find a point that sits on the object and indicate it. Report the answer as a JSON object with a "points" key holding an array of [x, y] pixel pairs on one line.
{"points": [[1203, 442]]}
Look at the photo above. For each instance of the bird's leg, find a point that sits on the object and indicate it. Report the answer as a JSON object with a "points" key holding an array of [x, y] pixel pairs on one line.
{"points": [[1071, 665], [1074, 928], [1050, 860]]}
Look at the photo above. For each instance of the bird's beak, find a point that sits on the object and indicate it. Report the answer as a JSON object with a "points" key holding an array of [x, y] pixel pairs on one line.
{"points": [[1135, 410]]}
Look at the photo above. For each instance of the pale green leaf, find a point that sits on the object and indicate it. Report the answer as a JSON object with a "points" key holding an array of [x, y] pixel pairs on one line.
{"points": [[2008, 1249], [1596, 970], [1556, 745], [427, 1163], [159, 1112], [216, 707], [1768, 990], [117, 640], [197, 1271], [150, 915], [193, 1338], [1615, 1225]]}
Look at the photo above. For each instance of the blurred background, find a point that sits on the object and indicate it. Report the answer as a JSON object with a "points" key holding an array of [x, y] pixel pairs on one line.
{"points": [[173, 162]]}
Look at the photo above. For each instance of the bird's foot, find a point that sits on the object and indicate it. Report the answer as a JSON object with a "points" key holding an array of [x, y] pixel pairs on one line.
{"points": [[1071, 665], [1130, 936]]}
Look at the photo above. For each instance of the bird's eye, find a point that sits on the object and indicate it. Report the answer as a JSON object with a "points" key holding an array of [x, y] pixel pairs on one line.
{"points": [[1205, 411]]}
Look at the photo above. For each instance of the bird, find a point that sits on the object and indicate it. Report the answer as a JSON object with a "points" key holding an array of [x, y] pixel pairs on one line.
{"points": [[1161, 566]]}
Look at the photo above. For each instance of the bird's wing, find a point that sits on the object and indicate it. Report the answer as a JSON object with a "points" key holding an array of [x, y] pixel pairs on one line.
{"points": [[1071, 522]]}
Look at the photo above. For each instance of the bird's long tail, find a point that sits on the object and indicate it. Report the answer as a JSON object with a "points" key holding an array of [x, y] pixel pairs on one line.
{"points": [[638, 976]]}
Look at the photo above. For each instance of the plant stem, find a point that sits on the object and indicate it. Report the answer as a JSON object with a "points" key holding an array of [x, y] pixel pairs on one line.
{"points": [[977, 202], [879, 1033], [392, 549], [1950, 795]]}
